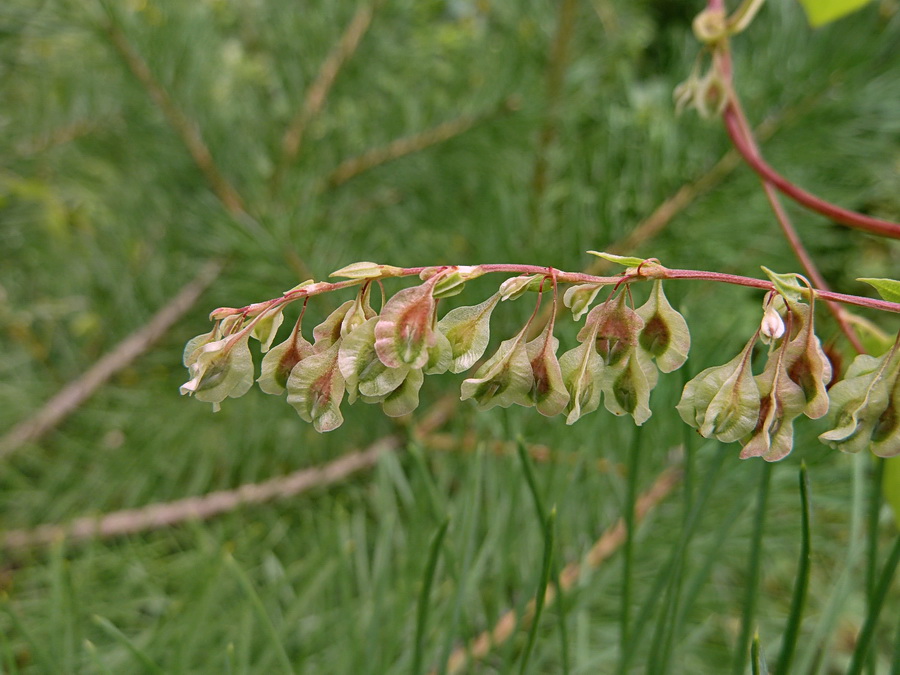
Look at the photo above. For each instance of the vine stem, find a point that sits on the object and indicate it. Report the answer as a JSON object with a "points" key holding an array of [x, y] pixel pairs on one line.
{"points": [[654, 272], [841, 215]]}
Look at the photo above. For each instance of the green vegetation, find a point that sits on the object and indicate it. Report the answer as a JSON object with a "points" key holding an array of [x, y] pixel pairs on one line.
{"points": [[534, 132]]}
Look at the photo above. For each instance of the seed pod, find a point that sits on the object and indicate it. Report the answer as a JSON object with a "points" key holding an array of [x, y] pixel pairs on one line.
{"points": [[579, 297], [665, 335], [865, 406], [581, 370], [279, 361], [504, 379], [781, 402], [405, 332], [468, 331], [316, 389], [361, 368], [220, 370], [723, 401]]}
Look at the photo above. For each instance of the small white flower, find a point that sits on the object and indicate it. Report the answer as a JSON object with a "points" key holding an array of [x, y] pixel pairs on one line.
{"points": [[772, 326]]}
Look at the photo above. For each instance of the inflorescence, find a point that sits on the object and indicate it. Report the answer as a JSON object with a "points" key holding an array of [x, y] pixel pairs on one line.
{"points": [[383, 357]]}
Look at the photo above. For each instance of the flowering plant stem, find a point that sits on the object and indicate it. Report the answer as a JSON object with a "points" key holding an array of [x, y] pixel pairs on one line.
{"points": [[656, 272]]}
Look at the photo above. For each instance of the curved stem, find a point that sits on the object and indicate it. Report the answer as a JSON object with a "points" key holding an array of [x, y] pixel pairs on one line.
{"points": [[841, 215]]}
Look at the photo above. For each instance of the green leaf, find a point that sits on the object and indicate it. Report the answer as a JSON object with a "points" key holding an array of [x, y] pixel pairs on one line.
{"points": [[404, 332], [366, 270], [504, 379], [788, 285], [891, 486], [820, 12], [665, 335], [888, 289], [723, 401], [468, 331], [316, 388], [627, 261]]}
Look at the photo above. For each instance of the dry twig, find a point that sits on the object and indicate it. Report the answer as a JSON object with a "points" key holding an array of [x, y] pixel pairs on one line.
{"points": [[166, 514], [78, 391], [178, 120], [317, 94]]}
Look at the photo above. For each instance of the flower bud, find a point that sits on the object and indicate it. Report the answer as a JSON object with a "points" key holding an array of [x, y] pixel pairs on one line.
{"points": [[772, 326]]}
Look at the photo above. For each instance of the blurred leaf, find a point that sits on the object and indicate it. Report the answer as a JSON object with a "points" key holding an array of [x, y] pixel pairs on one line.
{"points": [[820, 12], [888, 289]]}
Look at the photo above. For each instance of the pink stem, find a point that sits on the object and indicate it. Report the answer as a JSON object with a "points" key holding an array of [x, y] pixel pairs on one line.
{"points": [[844, 216], [579, 278]]}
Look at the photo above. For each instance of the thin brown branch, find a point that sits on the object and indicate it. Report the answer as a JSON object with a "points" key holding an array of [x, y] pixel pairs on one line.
{"points": [[186, 129], [556, 72], [317, 94], [608, 543], [540, 453], [167, 514], [401, 147], [78, 391]]}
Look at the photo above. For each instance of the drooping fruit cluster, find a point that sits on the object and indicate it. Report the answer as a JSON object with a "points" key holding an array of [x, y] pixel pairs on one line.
{"points": [[382, 357]]}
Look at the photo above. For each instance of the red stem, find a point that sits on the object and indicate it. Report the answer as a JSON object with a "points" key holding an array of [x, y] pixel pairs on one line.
{"points": [[844, 216], [581, 278]]}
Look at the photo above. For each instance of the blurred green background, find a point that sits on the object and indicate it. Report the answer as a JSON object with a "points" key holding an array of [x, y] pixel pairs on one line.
{"points": [[558, 136]]}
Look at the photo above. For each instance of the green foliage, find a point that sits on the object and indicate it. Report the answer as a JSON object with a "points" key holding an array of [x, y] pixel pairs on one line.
{"points": [[821, 12], [106, 215]]}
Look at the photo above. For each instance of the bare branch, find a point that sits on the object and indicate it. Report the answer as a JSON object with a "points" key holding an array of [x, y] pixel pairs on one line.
{"points": [[351, 168], [166, 514], [183, 126], [556, 71], [78, 391], [317, 94]]}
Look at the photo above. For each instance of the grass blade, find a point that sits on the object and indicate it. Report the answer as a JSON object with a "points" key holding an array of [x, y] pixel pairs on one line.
{"points": [[801, 587], [872, 536], [757, 659], [261, 613], [528, 469], [470, 529], [40, 654], [546, 565], [434, 551], [876, 603], [753, 572], [113, 631], [628, 552]]}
